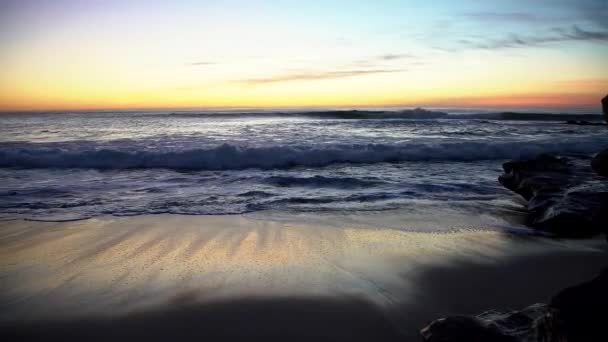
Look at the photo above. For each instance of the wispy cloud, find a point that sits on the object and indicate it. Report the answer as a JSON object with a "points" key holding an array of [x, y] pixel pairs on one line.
{"points": [[574, 33], [595, 12], [503, 16], [380, 61], [201, 63], [392, 57], [313, 76]]}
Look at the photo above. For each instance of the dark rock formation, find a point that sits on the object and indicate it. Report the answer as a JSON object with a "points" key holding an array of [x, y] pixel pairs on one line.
{"points": [[565, 197], [578, 313], [575, 314], [605, 107], [489, 326], [600, 163]]}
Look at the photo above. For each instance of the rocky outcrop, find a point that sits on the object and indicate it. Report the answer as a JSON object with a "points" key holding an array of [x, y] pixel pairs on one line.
{"points": [[496, 326], [565, 196], [599, 163], [605, 108], [578, 313], [575, 314]]}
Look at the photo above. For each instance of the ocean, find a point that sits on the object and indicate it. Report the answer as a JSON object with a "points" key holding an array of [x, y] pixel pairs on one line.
{"points": [[76, 165]]}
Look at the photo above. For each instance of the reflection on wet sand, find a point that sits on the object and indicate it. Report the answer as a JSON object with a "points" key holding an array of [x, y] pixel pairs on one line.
{"points": [[81, 276]]}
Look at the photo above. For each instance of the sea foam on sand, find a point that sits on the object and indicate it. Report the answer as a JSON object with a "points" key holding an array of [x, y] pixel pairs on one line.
{"points": [[308, 274]]}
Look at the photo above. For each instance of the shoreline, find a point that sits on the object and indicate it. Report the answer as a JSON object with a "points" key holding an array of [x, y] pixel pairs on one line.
{"points": [[152, 276]]}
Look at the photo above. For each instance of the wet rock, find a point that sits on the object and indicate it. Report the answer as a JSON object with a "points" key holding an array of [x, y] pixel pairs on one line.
{"points": [[462, 328], [497, 326], [605, 107], [565, 196], [577, 314], [600, 163]]}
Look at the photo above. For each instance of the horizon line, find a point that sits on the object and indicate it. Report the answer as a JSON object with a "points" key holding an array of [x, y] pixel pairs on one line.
{"points": [[590, 109]]}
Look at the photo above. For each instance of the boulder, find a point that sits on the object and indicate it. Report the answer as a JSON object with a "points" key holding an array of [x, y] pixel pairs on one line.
{"points": [[605, 108], [463, 328], [599, 163], [499, 326], [565, 197], [578, 313], [575, 314]]}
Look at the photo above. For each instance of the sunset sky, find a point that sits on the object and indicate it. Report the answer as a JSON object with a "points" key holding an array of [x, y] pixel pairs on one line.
{"points": [[104, 54]]}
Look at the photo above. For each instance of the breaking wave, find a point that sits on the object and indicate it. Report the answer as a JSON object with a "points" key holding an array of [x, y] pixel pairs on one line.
{"points": [[233, 157], [417, 114]]}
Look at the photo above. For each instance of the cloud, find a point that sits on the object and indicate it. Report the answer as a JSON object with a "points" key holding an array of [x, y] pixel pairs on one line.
{"points": [[392, 57], [201, 63], [595, 12], [575, 33], [580, 34], [501, 16], [379, 60], [313, 76]]}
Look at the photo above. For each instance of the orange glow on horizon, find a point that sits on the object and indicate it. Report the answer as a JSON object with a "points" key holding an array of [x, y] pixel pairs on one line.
{"points": [[587, 101]]}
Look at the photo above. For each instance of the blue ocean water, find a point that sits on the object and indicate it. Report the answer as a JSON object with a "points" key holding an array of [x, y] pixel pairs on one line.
{"points": [[63, 166]]}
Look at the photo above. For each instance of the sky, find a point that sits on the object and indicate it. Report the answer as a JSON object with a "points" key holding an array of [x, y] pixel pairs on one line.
{"points": [[107, 54]]}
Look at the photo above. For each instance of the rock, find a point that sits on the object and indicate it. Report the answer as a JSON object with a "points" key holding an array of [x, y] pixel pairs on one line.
{"points": [[496, 326], [600, 163], [564, 195], [579, 313], [575, 314], [605, 108], [462, 328]]}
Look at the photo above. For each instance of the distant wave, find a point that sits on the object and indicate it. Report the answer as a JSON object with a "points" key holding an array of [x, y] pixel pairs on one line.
{"points": [[418, 114], [346, 114], [529, 116], [231, 157]]}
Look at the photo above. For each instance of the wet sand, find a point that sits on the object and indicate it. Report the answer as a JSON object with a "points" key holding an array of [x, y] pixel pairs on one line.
{"points": [[257, 277]]}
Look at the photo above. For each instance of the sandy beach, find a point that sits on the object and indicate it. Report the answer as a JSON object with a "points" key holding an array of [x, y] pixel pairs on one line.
{"points": [[267, 277]]}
